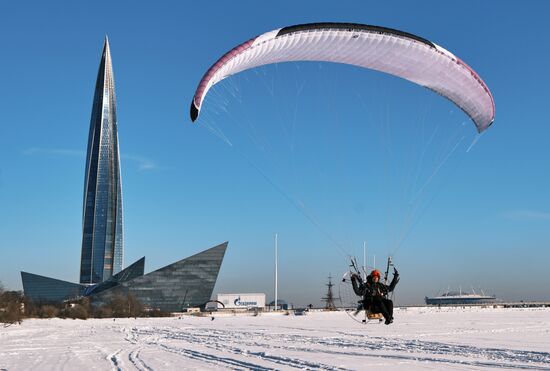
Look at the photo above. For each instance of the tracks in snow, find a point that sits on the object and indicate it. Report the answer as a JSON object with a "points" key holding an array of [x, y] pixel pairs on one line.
{"points": [[135, 359], [115, 361], [271, 350], [219, 352]]}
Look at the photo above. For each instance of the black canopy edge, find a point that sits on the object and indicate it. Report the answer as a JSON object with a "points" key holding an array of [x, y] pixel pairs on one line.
{"points": [[351, 27]]}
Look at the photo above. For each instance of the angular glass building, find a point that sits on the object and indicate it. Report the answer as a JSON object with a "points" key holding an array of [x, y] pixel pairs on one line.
{"points": [[45, 289], [127, 274], [102, 234], [186, 283]]}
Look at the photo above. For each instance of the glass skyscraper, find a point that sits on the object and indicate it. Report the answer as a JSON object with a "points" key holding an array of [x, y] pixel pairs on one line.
{"points": [[177, 286], [102, 234]]}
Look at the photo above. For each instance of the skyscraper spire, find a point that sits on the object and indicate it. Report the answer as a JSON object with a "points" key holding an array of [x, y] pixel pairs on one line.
{"points": [[102, 223]]}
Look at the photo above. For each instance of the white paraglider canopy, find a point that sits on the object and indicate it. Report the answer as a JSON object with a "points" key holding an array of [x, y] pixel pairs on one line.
{"points": [[383, 49]]}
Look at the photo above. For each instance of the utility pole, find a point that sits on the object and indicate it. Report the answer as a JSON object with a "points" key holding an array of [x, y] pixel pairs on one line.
{"points": [[365, 260], [276, 272]]}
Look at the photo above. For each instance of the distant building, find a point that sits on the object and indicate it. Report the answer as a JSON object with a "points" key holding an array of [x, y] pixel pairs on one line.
{"points": [[460, 298], [173, 288], [45, 289], [281, 304], [102, 229], [177, 286]]}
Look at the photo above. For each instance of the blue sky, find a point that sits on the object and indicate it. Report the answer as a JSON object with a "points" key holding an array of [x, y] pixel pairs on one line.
{"points": [[484, 220]]}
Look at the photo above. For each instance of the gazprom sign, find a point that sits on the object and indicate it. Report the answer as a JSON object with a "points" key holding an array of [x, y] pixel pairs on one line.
{"points": [[256, 300], [240, 303]]}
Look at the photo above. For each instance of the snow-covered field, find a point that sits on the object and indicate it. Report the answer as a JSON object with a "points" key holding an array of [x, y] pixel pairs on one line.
{"points": [[420, 338]]}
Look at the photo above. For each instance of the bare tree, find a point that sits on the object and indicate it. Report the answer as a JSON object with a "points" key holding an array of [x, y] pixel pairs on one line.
{"points": [[11, 307], [48, 311]]}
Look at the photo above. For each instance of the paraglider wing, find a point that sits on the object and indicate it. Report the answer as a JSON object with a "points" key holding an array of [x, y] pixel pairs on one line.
{"points": [[383, 49]]}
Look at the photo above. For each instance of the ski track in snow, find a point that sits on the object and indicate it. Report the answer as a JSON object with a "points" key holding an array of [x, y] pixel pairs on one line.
{"points": [[154, 336], [221, 340], [115, 361], [475, 340], [134, 357]]}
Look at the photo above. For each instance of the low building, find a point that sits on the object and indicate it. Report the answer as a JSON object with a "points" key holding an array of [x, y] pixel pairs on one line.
{"points": [[460, 298], [281, 305], [186, 283], [175, 287]]}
